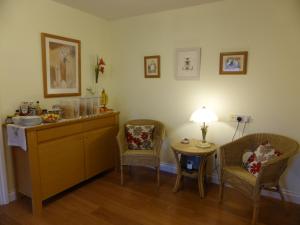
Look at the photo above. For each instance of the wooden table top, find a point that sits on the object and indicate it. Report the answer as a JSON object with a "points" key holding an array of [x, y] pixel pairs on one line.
{"points": [[192, 148]]}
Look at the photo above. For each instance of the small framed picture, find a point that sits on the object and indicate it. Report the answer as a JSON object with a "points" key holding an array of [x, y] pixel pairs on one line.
{"points": [[188, 63], [152, 66], [61, 66], [233, 63]]}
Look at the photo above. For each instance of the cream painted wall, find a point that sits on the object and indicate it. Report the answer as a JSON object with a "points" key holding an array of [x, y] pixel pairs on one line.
{"points": [[268, 29], [269, 93], [21, 22]]}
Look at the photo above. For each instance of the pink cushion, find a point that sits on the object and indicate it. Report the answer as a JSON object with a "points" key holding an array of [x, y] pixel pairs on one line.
{"points": [[139, 137], [254, 160]]}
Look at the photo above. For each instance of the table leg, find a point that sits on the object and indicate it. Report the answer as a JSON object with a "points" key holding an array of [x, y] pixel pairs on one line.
{"points": [[178, 183], [179, 177], [201, 176]]}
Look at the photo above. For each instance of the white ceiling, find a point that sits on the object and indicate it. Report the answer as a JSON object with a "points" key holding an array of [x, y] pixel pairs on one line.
{"points": [[116, 9]]}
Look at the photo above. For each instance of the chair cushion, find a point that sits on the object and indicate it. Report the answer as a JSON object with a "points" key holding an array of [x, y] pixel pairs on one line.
{"points": [[139, 152], [240, 173], [253, 161], [140, 158], [240, 179], [139, 137]]}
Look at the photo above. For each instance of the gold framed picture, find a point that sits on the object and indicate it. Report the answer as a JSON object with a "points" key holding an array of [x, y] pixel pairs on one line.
{"points": [[233, 63], [152, 66], [61, 66]]}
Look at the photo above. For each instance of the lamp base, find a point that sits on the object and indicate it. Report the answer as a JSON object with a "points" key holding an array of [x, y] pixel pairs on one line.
{"points": [[203, 144]]}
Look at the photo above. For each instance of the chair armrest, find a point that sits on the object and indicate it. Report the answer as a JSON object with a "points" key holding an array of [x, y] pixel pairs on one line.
{"points": [[231, 153], [157, 143], [271, 171], [121, 141]]}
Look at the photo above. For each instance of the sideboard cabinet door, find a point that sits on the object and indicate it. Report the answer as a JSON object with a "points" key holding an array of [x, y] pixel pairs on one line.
{"points": [[61, 164], [100, 150]]}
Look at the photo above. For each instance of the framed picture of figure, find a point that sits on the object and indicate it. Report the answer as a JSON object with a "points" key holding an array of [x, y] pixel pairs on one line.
{"points": [[61, 66], [152, 66], [188, 63], [233, 63]]}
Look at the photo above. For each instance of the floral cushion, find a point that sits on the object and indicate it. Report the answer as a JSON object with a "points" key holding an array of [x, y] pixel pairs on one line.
{"points": [[253, 161], [139, 137]]}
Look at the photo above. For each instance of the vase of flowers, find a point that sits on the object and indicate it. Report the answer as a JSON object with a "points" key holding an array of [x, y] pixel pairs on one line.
{"points": [[99, 68]]}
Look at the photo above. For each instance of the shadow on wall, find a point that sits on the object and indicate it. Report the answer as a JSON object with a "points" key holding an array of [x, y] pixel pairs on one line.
{"points": [[292, 171]]}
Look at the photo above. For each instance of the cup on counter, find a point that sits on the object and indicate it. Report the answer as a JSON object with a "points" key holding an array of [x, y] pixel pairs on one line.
{"points": [[76, 108], [67, 109], [89, 106], [95, 105], [82, 107]]}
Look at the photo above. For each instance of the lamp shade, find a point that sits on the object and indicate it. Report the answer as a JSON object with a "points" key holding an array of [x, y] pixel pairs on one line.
{"points": [[203, 115]]}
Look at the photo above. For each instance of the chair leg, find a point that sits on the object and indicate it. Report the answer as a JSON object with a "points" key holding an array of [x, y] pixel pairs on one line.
{"points": [[122, 176], [281, 194], [221, 192], [255, 213], [129, 170], [158, 175]]}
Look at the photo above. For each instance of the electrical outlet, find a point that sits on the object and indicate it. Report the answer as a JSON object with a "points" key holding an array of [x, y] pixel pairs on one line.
{"points": [[244, 118]]}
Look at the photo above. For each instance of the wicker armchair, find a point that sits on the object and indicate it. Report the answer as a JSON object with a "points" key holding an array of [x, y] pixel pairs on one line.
{"points": [[239, 178], [141, 157]]}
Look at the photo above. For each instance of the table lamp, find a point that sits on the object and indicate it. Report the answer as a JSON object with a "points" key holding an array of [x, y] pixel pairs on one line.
{"points": [[204, 116]]}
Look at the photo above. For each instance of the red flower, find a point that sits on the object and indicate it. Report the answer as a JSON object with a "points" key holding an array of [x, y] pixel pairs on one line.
{"points": [[252, 158], [144, 135], [101, 62], [102, 69], [255, 168], [99, 68], [129, 137], [137, 141]]}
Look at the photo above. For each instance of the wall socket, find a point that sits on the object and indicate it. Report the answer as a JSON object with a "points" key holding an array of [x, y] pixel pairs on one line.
{"points": [[245, 118]]}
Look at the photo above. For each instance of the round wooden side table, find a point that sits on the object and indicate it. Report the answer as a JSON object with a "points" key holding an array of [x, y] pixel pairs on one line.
{"points": [[192, 149]]}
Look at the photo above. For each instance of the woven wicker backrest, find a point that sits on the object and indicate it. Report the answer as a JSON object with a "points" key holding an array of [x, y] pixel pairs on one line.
{"points": [[232, 152], [159, 130], [284, 145]]}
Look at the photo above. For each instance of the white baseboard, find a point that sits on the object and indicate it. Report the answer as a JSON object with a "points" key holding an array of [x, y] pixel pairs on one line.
{"points": [[288, 195], [12, 196], [168, 167]]}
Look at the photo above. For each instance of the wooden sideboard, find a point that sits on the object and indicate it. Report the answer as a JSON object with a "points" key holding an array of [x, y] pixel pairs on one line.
{"points": [[63, 154]]}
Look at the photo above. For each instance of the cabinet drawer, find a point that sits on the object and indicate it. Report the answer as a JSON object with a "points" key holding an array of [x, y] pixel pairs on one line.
{"points": [[61, 164], [57, 132], [100, 150], [99, 123]]}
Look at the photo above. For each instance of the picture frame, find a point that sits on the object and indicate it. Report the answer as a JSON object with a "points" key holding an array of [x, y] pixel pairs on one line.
{"points": [[233, 63], [188, 63], [152, 66], [61, 61]]}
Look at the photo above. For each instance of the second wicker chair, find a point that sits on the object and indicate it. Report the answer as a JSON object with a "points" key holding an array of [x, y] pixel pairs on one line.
{"points": [[239, 178], [137, 157]]}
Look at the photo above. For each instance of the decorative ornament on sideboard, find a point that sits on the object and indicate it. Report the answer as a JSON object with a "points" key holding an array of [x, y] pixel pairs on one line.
{"points": [[99, 68], [103, 101]]}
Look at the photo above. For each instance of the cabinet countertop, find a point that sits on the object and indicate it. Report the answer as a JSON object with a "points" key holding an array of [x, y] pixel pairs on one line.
{"points": [[64, 122]]}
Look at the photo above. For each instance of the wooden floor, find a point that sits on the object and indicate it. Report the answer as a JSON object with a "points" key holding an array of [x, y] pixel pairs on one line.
{"points": [[103, 201]]}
